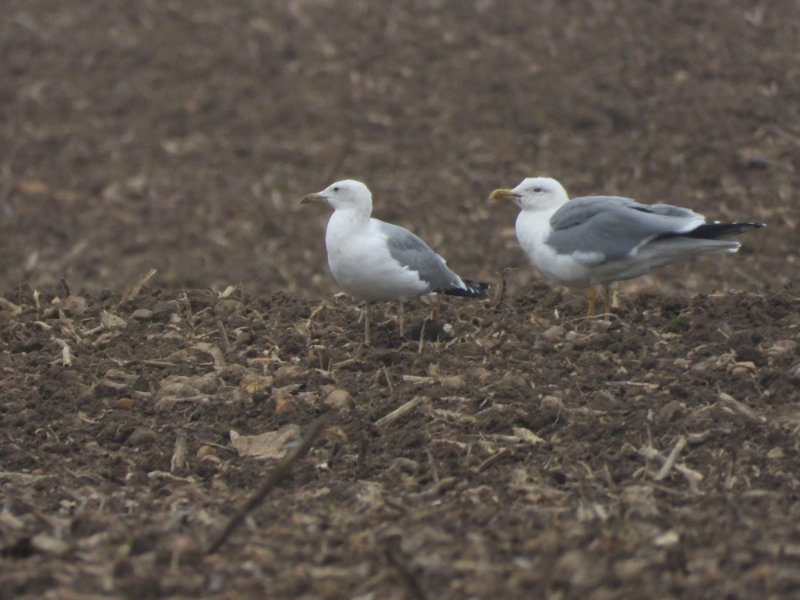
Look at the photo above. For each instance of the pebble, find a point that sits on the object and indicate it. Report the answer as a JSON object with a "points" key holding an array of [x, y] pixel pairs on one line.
{"points": [[142, 314], [339, 399], [74, 306], [284, 402], [553, 333], [288, 373], [124, 403], [140, 436]]}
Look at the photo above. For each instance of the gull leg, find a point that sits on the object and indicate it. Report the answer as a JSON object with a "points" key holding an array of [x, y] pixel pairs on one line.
{"points": [[436, 306], [592, 299], [607, 300], [367, 340], [401, 316]]}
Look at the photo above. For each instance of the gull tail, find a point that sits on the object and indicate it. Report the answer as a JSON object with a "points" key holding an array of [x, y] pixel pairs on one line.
{"points": [[471, 289], [716, 230], [704, 239]]}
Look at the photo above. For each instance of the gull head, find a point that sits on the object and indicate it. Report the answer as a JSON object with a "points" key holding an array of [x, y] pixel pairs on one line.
{"points": [[345, 194], [534, 193]]}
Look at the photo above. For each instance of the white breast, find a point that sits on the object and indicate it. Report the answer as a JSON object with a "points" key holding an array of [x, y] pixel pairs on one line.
{"points": [[361, 264], [533, 228]]}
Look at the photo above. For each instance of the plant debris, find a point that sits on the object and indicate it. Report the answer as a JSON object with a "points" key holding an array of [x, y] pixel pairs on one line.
{"points": [[160, 288]]}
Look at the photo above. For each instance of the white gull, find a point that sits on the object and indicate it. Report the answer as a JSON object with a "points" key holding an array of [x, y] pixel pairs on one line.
{"points": [[373, 260], [603, 239]]}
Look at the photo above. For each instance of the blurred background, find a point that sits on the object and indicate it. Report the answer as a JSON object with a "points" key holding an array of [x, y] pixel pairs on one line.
{"points": [[180, 135]]}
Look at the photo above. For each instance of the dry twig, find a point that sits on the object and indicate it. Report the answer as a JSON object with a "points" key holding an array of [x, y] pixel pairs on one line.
{"points": [[388, 381], [66, 352], [400, 412], [223, 333], [670, 462], [740, 408], [9, 307], [493, 459], [134, 290], [692, 477], [178, 460]]}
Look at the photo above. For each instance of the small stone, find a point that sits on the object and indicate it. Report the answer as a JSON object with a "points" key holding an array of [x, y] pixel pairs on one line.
{"points": [[668, 539], [288, 373], [233, 373], [326, 388], [704, 365], [553, 402], [340, 400], [112, 321], [48, 544], [74, 306], [524, 434], [556, 332], [124, 403], [269, 444], [32, 187], [482, 373], [776, 452], [515, 380], [669, 412], [453, 381], [403, 465], [207, 384], [681, 363], [141, 436], [142, 314], [228, 306], [284, 402]]}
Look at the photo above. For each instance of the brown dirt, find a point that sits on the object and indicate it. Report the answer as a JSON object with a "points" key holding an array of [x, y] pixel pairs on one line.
{"points": [[179, 136]]}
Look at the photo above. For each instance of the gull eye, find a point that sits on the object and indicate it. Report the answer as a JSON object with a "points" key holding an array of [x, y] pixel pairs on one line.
{"points": [[537, 190], [336, 189]]}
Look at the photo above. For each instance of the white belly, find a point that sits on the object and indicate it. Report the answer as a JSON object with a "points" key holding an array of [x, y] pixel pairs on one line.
{"points": [[363, 267]]}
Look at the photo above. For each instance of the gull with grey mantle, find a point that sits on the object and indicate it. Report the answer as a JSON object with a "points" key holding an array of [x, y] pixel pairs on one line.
{"points": [[373, 260], [595, 240]]}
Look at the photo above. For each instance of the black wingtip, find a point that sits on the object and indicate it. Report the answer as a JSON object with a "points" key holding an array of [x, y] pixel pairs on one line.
{"points": [[714, 230], [719, 230], [472, 289]]}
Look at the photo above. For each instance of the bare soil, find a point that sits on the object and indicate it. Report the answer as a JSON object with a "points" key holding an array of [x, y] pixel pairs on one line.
{"points": [[540, 454]]}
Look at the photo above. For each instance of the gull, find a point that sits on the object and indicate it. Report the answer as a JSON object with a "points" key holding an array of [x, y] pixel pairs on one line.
{"points": [[373, 260], [599, 240]]}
